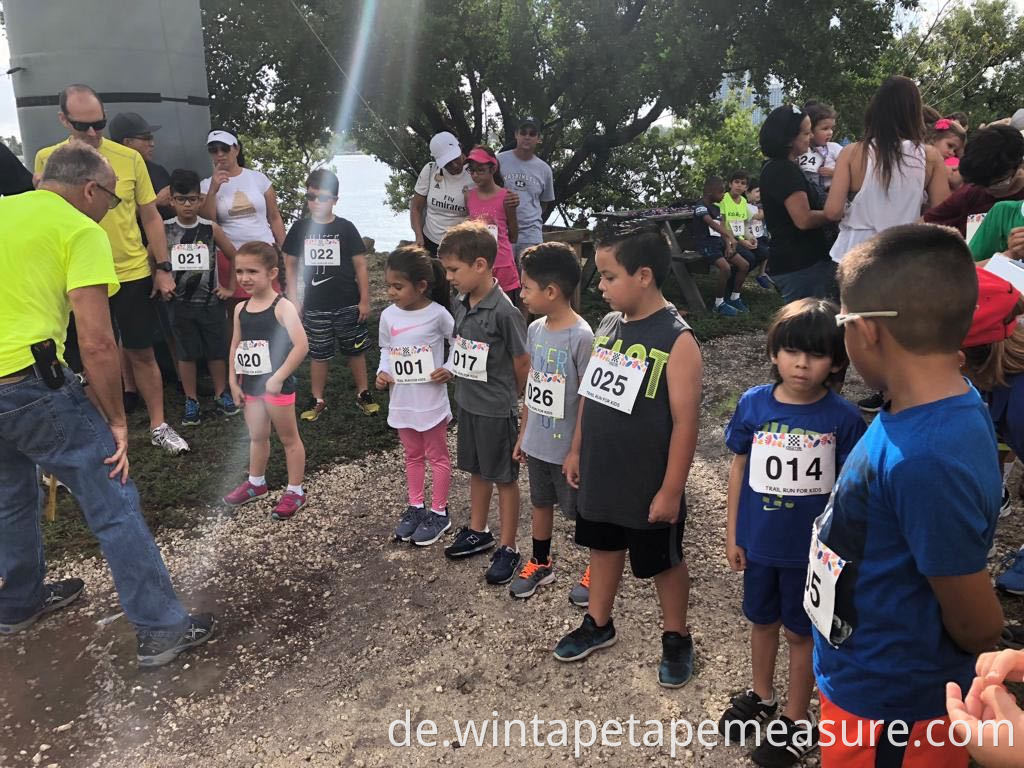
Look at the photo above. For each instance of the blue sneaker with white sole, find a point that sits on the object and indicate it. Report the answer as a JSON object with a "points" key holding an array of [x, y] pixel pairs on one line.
{"points": [[1012, 579], [726, 309]]}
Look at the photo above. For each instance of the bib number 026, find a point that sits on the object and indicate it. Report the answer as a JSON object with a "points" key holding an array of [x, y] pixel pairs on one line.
{"points": [[545, 394]]}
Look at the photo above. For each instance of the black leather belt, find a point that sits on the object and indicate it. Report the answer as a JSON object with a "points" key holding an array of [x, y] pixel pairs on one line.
{"points": [[27, 371]]}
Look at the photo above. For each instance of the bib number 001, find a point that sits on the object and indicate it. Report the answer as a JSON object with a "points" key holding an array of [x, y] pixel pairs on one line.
{"points": [[791, 464], [252, 358], [412, 365], [613, 379]]}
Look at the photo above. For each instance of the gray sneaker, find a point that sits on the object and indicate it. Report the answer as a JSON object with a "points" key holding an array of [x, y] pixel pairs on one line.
{"points": [[431, 528], [155, 651], [409, 522], [165, 437], [55, 596], [579, 595], [532, 576]]}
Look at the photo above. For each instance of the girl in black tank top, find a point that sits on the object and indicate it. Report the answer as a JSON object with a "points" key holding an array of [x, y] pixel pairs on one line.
{"points": [[267, 345]]}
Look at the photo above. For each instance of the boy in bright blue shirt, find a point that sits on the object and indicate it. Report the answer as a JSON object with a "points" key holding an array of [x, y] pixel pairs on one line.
{"points": [[789, 438]]}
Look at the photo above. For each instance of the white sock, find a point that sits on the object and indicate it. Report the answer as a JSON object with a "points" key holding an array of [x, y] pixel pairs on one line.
{"points": [[441, 512], [770, 701], [733, 296], [719, 302], [1007, 468], [159, 426], [297, 489], [261, 480]]}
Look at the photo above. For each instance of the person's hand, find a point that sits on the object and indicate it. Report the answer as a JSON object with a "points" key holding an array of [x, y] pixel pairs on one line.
{"points": [[517, 451], [364, 311], [220, 176], [383, 380], [511, 201], [737, 557], [224, 293], [749, 244], [119, 459], [163, 285], [972, 723], [999, 667], [664, 507], [441, 375], [237, 394], [1015, 243], [273, 385], [419, 241], [571, 469]]}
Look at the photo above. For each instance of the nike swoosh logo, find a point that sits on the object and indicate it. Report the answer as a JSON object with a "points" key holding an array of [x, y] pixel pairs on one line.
{"points": [[360, 345], [316, 282], [397, 331]]}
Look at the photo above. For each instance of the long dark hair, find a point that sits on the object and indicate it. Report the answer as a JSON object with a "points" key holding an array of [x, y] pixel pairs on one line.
{"points": [[415, 264], [894, 115]]}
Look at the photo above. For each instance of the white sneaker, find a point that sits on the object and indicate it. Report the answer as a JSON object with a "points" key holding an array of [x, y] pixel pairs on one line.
{"points": [[165, 437]]}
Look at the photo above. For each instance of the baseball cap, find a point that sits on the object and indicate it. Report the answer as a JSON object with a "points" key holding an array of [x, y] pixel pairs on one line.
{"points": [[529, 122], [478, 155], [993, 316], [223, 137], [445, 148], [127, 124]]}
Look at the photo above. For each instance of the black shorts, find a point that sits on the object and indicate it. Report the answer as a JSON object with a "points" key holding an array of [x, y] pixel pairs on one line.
{"points": [[199, 330], [651, 551], [133, 314], [430, 245], [712, 251], [484, 446], [331, 329], [548, 486]]}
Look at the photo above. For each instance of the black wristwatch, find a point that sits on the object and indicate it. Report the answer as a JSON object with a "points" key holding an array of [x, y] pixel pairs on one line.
{"points": [[164, 265]]}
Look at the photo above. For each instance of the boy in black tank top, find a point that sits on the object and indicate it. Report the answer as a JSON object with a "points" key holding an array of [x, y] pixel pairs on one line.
{"points": [[633, 448]]}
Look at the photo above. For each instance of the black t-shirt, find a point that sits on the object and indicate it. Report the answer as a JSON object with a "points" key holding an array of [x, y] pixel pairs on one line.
{"points": [[160, 178], [14, 177], [702, 234], [792, 248], [328, 287]]}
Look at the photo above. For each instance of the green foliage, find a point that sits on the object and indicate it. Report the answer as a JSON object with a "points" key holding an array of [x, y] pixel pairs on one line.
{"points": [[287, 164], [13, 144]]}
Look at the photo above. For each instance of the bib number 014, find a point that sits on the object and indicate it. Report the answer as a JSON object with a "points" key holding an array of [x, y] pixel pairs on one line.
{"points": [[791, 464]]}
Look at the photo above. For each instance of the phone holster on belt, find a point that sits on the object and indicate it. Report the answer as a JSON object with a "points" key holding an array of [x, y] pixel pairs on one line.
{"points": [[48, 367]]}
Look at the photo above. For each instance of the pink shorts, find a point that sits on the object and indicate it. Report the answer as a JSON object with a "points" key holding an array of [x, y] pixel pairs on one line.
{"points": [[274, 399]]}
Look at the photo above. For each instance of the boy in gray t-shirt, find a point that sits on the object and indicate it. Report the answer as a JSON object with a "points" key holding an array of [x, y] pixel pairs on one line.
{"points": [[559, 344]]}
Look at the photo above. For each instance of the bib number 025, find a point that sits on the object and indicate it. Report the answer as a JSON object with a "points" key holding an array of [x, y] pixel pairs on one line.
{"points": [[613, 379]]}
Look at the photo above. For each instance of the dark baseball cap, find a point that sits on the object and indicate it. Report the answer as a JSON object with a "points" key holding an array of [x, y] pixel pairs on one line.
{"points": [[128, 124], [529, 122]]}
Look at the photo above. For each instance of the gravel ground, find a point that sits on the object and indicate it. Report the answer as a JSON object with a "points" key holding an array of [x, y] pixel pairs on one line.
{"points": [[329, 633]]}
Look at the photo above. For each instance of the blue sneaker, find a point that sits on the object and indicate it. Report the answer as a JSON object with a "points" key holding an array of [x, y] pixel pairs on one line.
{"points": [[726, 309], [585, 639], [192, 415], [765, 281], [738, 305], [676, 667], [1012, 579], [226, 405]]}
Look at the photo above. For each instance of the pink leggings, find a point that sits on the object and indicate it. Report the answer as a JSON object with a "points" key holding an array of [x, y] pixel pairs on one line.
{"points": [[419, 447]]}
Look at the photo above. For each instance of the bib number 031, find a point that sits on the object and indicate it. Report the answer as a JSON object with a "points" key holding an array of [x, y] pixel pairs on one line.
{"points": [[613, 379], [545, 394], [790, 464], [252, 358]]}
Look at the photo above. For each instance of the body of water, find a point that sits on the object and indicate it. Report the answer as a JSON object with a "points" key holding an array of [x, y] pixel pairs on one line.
{"points": [[363, 201]]}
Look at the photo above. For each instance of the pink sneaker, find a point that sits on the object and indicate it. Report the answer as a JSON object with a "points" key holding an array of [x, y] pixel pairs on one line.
{"points": [[289, 504], [245, 493]]}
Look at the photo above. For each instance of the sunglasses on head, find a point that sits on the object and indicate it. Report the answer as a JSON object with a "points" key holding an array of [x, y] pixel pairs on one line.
{"points": [[82, 126], [218, 148], [323, 197]]}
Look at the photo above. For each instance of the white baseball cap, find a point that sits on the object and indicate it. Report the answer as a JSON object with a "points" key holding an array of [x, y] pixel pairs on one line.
{"points": [[223, 137], [444, 147]]}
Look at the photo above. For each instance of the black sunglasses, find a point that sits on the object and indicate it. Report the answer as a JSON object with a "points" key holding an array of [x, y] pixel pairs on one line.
{"points": [[218, 148], [114, 199], [528, 132], [82, 127], [323, 197], [142, 137]]}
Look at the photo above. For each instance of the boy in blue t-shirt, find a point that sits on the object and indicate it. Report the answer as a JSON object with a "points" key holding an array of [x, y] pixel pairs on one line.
{"points": [[790, 438], [897, 586], [717, 244]]}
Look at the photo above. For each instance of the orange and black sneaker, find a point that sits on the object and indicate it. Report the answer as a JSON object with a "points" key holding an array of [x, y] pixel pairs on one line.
{"points": [[313, 412], [532, 576], [580, 594]]}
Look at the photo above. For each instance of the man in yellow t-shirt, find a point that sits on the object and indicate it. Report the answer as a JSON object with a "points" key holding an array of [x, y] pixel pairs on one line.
{"points": [[81, 112], [53, 254]]}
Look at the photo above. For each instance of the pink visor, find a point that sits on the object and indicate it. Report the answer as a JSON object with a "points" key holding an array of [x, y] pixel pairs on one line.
{"points": [[953, 162], [479, 156]]}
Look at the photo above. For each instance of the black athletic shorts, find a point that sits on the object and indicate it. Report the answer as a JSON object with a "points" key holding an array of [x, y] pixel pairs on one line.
{"points": [[651, 551], [133, 314], [484, 446], [199, 330]]}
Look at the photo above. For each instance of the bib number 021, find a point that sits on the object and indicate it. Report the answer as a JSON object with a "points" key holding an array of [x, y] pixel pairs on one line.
{"points": [[190, 257]]}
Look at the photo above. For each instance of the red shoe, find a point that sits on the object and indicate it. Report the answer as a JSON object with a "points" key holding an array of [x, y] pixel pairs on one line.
{"points": [[245, 493], [289, 504]]}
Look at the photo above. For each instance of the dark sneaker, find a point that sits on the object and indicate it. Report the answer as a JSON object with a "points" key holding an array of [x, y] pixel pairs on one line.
{"points": [[1005, 506], [872, 403], [155, 651], [409, 522], [747, 712], [738, 304], [726, 309], [1012, 579], [313, 412], [469, 542], [765, 281], [676, 666], [192, 416], [56, 595], [783, 750], [579, 595], [533, 576], [504, 563], [131, 401], [585, 639], [365, 402], [431, 528], [1012, 637], [226, 405]]}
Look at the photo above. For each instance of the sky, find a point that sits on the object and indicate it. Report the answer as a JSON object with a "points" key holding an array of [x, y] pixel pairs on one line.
{"points": [[8, 113]]}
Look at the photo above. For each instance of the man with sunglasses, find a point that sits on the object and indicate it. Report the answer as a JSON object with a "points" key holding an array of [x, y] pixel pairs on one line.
{"points": [[132, 130], [81, 112], [531, 178]]}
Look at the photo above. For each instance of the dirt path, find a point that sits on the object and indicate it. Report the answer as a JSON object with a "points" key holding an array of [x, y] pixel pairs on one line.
{"points": [[329, 633]]}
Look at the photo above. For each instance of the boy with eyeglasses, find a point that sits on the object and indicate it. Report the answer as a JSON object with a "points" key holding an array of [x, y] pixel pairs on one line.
{"points": [[325, 254], [197, 316]]}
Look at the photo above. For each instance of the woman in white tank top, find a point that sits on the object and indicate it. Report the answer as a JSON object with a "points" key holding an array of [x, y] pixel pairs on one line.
{"points": [[880, 181]]}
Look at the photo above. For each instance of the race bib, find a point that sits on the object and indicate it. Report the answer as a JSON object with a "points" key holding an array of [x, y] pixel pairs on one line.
{"points": [[412, 365], [973, 222], [757, 228], [545, 394], [714, 232], [613, 379], [789, 464], [493, 229], [810, 161], [737, 227], [469, 359], [189, 257], [252, 358], [823, 571], [322, 252]]}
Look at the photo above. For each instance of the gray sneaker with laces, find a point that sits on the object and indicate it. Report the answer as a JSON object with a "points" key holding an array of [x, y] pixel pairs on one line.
{"points": [[409, 522], [431, 528], [165, 437]]}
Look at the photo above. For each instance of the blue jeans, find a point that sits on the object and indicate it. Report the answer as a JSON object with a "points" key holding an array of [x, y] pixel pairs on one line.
{"points": [[816, 281], [62, 432]]}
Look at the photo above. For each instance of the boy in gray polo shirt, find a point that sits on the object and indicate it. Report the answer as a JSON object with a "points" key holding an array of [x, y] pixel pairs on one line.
{"points": [[490, 362]]}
